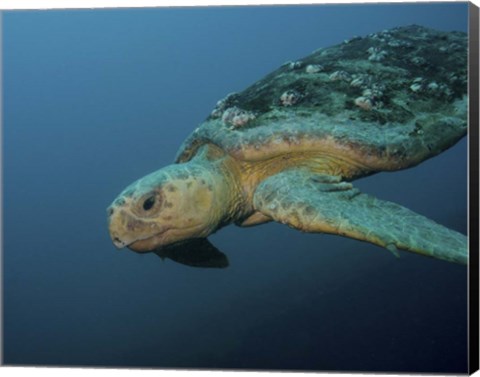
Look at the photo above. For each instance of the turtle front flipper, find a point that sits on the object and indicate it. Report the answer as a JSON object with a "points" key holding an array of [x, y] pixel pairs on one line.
{"points": [[322, 203]]}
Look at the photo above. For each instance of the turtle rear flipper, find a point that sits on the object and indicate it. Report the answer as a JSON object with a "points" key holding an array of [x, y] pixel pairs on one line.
{"points": [[198, 252], [321, 203]]}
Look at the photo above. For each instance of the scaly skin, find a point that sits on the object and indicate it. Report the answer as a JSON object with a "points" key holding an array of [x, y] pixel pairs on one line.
{"points": [[324, 204], [194, 199], [189, 200]]}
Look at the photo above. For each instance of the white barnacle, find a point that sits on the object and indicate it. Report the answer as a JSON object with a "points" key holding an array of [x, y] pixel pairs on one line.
{"points": [[295, 65], [416, 87], [376, 54], [367, 93], [290, 97], [313, 68], [357, 82], [374, 92], [394, 43], [340, 76], [216, 113], [433, 86], [221, 105], [236, 117], [364, 103]]}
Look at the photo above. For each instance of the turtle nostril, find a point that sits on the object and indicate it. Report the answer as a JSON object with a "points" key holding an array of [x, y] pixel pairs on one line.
{"points": [[119, 202], [110, 211]]}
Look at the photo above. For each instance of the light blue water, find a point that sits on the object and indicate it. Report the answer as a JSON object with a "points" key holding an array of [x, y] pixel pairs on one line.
{"points": [[96, 99]]}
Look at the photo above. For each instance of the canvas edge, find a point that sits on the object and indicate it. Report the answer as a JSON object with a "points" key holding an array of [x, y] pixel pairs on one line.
{"points": [[473, 273]]}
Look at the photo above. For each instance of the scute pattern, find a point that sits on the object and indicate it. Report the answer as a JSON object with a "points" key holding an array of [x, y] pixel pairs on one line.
{"points": [[361, 101]]}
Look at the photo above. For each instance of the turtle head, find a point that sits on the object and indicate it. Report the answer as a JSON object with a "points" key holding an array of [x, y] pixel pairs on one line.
{"points": [[173, 204]]}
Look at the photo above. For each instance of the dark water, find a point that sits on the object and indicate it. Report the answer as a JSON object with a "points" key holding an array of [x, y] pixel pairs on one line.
{"points": [[96, 99]]}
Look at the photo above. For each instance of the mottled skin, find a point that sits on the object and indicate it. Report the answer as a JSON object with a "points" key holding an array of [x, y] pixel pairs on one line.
{"points": [[190, 200], [293, 162]]}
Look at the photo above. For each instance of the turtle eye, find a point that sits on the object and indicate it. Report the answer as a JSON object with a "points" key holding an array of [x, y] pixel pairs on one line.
{"points": [[148, 203]]}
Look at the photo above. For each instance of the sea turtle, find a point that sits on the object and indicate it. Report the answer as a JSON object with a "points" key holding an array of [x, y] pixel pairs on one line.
{"points": [[287, 148]]}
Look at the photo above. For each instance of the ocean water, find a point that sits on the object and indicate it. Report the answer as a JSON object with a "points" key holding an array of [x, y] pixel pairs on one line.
{"points": [[94, 100]]}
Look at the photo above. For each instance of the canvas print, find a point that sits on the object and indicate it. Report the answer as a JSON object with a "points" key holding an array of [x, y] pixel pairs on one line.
{"points": [[286, 186]]}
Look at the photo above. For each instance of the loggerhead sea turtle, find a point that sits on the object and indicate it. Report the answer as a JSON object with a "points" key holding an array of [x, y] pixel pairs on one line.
{"points": [[287, 148]]}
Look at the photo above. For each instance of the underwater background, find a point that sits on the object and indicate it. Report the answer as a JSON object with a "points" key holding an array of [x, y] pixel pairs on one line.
{"points": [[95, 99]]}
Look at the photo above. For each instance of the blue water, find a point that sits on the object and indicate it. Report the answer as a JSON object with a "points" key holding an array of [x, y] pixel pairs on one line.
{"points": [[96, 99]]}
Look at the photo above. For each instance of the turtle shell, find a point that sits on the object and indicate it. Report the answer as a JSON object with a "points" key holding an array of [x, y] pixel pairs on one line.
{"points": [[388, 100]]}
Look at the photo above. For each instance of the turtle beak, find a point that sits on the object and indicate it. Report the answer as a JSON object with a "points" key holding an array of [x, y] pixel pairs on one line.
{"points": [[117, 241]]}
